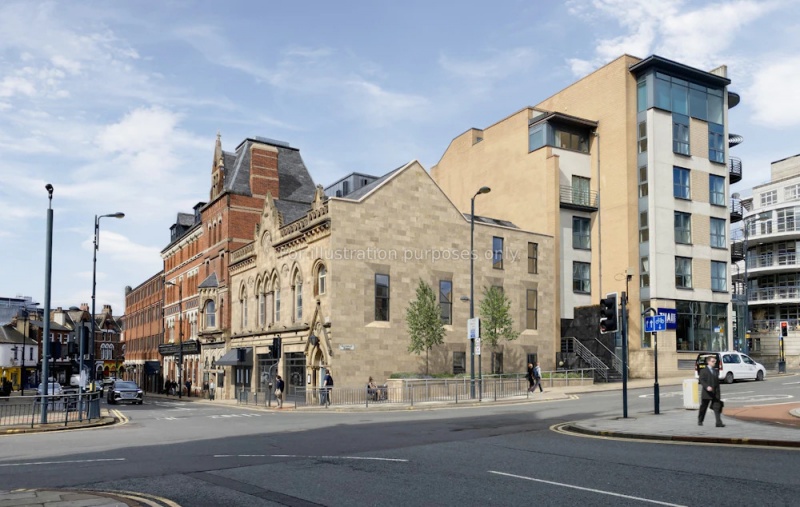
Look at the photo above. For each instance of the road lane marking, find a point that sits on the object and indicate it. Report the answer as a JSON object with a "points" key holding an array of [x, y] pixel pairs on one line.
{"points": [[591, 490], [306, 457], [758, 398], [790, 383], [59, 462]]}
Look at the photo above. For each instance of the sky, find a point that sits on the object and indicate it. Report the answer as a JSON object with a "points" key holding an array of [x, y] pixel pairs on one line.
{"points": [[118, 104]]}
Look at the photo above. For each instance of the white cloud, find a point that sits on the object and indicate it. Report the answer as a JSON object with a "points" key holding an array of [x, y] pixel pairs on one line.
{"points": [[773, 93], [120, 248]]}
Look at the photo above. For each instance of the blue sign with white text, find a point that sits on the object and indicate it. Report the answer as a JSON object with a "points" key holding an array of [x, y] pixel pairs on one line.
{"points": [[655, 324], [672, 317]]}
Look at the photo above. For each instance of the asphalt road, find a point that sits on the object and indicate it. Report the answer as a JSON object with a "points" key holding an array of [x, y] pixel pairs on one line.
{"points": [[199, 454]]}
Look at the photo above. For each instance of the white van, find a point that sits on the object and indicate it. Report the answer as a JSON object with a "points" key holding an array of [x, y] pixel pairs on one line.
{"points": [[733, 366]]}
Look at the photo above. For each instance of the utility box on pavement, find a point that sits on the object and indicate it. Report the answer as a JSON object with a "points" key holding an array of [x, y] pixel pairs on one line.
{"points": [[691, 394]]}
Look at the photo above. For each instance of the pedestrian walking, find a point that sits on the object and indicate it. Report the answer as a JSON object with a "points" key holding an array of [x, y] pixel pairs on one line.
{"points": [[188, 388], [537, 378], [529, 377], [327, 387], [711, 395], [279, 387], [167, 386], [212, 389]]}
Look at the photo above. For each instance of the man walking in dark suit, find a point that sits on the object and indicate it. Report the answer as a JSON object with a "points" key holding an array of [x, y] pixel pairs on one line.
{"points": [[709, 382]]}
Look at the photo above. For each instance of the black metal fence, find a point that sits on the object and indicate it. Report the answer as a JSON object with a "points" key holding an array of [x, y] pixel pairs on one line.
{"points": [[26, 411]]}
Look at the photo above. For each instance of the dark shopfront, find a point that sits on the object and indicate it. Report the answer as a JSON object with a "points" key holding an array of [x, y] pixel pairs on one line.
{"points": [[190, 347], [294, 370]]}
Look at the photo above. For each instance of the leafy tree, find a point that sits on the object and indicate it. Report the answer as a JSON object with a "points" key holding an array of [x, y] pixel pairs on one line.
{"points": [[424, 322], [496, 321]]}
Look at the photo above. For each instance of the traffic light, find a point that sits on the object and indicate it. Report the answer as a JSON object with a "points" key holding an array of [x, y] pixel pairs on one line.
{"points": [[276, 348], [608, 313], [784, 329]]}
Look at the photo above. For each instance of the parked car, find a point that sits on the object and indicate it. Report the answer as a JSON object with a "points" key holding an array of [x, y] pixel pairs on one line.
{"points": [[733, 366], [124, 391], [53, 389]]}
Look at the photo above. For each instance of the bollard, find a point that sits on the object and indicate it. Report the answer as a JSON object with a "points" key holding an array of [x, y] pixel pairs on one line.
{"points": [[691, 394]]}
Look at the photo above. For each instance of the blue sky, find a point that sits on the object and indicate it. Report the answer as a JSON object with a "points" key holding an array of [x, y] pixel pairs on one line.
{"points": [[117, 104]]}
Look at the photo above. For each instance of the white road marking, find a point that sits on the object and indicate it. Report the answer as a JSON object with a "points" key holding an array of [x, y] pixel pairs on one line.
{"points": [[790, 383], [663, 395], [60, 462], [227, 416], [306, 457], [600, 491], [758, 398]]}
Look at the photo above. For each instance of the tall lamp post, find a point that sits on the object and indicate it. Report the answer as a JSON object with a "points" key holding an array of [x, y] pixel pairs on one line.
{"points": [[48, 270], [180, 335], [94, 287], [483, 190]]}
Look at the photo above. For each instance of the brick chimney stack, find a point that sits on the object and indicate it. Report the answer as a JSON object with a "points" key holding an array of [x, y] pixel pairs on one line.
{"points": [[263, 170], [84, 307]]}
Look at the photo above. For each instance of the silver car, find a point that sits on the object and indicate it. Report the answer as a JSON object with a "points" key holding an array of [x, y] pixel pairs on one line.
{"points": [[124, 391]]}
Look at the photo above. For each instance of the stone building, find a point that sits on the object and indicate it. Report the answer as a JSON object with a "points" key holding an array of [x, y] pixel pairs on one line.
{"points": [[333, 281]]}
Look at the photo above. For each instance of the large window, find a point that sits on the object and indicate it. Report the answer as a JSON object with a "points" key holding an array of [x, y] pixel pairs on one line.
{"points": [[581, 193], [571, 141], [581, 233], [497, 252], [211, 315], [582, 277], [446, 301], [531, 309], [786, 220], [683, 272], [768, 198], [681, 183], [533, 258], [322, 274], [716, 143], [298, 297], [243, 303], [680, 134], [718, 233], [719, 276], [680, 96], [701, 326], [792, 192], [683, 228], [382, 297], [262, 307], [716, 190]]}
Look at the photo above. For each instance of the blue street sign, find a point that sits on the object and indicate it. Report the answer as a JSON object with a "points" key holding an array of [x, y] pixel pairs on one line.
{"points": [[654, 324]]}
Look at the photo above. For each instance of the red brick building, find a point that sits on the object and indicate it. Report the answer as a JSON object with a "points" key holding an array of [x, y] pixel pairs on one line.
{"points": [[144, 332]]}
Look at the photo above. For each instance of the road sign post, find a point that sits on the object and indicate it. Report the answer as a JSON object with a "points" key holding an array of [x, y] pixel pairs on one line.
{"points": [[653, 325]]}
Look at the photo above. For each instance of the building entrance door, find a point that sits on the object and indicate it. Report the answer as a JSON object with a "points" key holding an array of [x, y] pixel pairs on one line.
{"points": [[294, 373]]}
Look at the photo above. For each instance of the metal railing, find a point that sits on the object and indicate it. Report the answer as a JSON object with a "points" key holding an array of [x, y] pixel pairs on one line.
{"points": [[774, 293], [578, 197], [26, 411], [735, 169], [587, 355], [773, 325], [770, 260], [420, 391]]}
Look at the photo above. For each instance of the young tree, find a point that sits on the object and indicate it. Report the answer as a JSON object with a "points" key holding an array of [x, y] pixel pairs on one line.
{"points": [[496, 321], [424, 322]]}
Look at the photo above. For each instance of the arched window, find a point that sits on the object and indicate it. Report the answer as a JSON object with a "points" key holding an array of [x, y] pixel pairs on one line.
{"points": [[297, 296], [276, 289], [322, 274], [211, 314], [262, 304], [243, 303]]}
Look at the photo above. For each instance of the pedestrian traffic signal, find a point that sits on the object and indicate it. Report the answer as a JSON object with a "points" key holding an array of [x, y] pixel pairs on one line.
{"points": [[608, 313], [276, 348], [784, 329]]}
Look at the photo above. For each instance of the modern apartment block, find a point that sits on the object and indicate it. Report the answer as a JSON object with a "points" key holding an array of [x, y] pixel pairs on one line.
{"points": [[629, 169], [769, 235]]}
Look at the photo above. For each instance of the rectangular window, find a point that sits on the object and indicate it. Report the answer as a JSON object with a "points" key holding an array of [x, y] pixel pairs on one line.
{"points": [[536, 137], [643, 188], [262, 309], [459, 363], [571, 141], [641, 95], [715, 103], [786, 220], [716, 190], [683, 228], [768, 198], [716, 143], [644, 272], [581, 277], [382, 297], [683, 272], [719, 276], [792, 192], [663, 86], [531, 308], [644, 230], [680, 183], [680, 134], [446, 301], [581, 191], [718, 226], [533, 258], [581, 233], [642, 137], [497, 252], [698, 102]]}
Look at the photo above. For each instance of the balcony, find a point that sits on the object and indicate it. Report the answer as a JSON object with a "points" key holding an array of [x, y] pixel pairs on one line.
{"points": [[782, 262], [733, 99], [578, 199], [734, 140], [774, 295], [737, 251], [736, 210], [774, 325], [735, 169]]}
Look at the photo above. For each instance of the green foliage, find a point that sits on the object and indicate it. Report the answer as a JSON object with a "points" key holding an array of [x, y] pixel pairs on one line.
{"points": [[424, 321], [496, 321]]}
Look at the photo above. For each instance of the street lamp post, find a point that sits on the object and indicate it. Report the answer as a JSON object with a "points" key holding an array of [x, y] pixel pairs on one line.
{"points": [[483, 190], [180, 336], [48, 270], [94, 287]]}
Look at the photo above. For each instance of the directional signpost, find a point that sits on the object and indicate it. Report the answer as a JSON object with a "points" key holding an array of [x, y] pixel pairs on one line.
{"points": [[654, 325]]}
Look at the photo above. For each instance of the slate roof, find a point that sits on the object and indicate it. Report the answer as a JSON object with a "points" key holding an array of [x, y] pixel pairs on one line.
{"points": [[53, 326], [295, 183], [209, 282], [186, 219], [361, 192], [292, 211], [9, 335]]}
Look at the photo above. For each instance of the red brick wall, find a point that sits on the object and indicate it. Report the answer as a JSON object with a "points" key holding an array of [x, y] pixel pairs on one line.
{"points": [[263, 171]]}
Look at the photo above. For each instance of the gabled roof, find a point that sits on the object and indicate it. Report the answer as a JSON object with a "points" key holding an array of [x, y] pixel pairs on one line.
{"points": [[291, 211], [9, 335], [361, 192], [53, 326], [210, 282]]}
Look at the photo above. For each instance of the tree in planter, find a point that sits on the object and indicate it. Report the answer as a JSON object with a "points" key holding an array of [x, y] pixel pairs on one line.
{"points": [[424, 321], [496, 321]]}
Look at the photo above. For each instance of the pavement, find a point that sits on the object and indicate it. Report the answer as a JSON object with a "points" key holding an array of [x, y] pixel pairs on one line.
{"points": [[762, 425]]}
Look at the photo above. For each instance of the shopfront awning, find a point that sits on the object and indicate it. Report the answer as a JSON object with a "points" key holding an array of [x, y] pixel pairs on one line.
{"points": [[231, 358]]}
